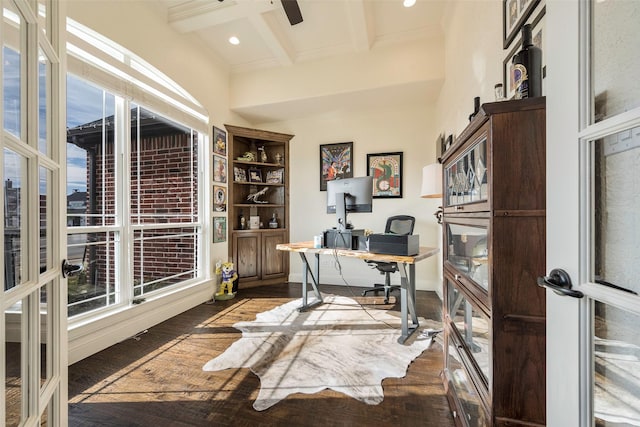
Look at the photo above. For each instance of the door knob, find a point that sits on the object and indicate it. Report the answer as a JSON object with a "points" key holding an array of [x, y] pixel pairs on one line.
{"points": [[560, 282], [69, 270]]}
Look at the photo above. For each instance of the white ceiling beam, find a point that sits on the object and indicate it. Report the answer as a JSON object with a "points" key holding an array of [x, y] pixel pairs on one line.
{"points": [[360, 15], [195, 15], [277, 43]]}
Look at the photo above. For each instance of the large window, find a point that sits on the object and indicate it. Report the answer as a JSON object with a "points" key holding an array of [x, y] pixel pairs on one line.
{"points": [[132, 184]]}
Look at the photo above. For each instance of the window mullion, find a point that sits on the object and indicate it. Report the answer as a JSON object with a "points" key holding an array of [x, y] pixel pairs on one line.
{"points": [[124, 246]]}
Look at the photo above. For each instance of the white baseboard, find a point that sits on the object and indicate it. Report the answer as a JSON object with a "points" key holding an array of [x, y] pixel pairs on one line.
{"points": [[111, 329]]}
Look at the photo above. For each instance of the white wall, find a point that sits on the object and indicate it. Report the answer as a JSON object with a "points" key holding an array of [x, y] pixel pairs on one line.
{"points": [[473, 60], [410, 130]]}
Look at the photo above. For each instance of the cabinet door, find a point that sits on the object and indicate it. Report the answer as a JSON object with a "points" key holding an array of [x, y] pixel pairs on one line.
{"points": [[274, 262], [466, 176], [247, 254]]}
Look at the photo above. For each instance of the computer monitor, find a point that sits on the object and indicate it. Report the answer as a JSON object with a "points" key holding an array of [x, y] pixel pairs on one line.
{"points": [[349, 195]]}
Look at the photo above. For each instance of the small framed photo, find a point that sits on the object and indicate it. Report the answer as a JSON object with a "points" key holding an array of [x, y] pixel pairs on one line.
{"points": [[219, 169], [514, 14], [239, 174], [219, 229], [219, 141], [255, 175], [254, 222], [386, 169], [219, 199], [336, 161], [275, 176]]}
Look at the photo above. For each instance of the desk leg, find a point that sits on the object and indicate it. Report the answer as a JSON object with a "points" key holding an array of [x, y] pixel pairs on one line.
{"points": [[408, 301], [315, 277]]}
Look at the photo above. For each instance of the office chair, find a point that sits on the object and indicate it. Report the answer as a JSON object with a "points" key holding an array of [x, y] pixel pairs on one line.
{"points": [[398, 224]]}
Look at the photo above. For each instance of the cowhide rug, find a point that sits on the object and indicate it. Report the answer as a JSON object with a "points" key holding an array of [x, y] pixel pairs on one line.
{"points": [[338, 345]]}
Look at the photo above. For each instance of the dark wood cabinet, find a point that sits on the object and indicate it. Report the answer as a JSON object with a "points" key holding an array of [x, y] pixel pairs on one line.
{"points": [[259, 192], [494, 249]]}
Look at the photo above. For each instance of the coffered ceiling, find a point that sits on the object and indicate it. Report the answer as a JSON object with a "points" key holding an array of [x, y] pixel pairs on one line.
{"points": [[331, 30]]}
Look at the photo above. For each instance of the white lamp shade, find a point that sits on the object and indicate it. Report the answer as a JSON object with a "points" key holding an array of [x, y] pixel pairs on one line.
{"points": [[432, 181]]}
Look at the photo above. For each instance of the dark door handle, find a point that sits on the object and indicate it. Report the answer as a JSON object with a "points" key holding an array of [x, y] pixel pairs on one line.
{"points": [[69, 270], [560, 282]]}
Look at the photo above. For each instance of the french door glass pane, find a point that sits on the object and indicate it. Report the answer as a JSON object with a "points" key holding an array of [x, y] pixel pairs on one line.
{"points": [[43, 104], [15, 378], [46, 333], [12, 69], [14, 178], [616, 367], [615, 62], [616, 227], [45, 219]]}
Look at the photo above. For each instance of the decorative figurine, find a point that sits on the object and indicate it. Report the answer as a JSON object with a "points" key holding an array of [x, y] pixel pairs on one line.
{"points": [[263, 154], [229, 276], [247, 157], [278, 158], [253, 197], [274, 221]]}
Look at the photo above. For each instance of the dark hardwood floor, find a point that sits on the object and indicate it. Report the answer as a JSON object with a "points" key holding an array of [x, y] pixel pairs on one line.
{"points": [[158, 379]]}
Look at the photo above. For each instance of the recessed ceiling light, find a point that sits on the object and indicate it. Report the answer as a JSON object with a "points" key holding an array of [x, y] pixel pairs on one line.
{"points": [[234, 40], [408, 3]]}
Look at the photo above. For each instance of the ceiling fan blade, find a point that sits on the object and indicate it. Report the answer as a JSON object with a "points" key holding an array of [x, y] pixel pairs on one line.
{"points": [[292, 10]]}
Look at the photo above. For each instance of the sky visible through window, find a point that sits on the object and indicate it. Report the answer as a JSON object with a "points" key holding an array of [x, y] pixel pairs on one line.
{"points": [[86, 103]]}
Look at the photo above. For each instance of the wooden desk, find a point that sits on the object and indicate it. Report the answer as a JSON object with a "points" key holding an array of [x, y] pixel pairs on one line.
{"points": [[407, 281]]}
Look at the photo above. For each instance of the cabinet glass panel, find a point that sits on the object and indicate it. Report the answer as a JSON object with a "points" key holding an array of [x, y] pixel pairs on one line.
{"points": [[468, 251], [466, 178], [472, 326], [464, 390]]}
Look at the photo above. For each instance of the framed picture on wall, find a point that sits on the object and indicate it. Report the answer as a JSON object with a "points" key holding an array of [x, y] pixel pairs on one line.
{"points": [[219, 141], [514, 14], [219, 198], [336, 162], [537, 33], [219, 169], [386, 170], [219, 229]]}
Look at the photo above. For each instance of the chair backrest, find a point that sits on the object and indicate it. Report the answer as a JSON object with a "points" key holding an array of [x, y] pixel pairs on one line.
{"points": [[400, 224]]}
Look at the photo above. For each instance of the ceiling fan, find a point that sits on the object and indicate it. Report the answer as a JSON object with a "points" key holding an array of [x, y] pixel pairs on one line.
{"points": [[292, 9]]}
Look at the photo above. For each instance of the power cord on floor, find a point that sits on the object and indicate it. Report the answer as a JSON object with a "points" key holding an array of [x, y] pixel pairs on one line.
{"points": [[338, 267]]}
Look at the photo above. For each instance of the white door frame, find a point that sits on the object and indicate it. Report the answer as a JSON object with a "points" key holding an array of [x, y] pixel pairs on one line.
{"points": [[41, 36]]}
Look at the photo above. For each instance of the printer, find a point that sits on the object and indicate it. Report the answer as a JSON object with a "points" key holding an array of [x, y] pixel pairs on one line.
{"points": [[394, 244]]}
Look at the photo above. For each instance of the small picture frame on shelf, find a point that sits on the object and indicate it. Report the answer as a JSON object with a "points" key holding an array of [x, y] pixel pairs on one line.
{"points": [[254, 222], [274, 176], [239, 174], [255, 175]]}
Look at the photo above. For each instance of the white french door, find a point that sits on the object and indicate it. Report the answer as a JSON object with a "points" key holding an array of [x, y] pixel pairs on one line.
{"points": [[593, 213], [33, 299]]}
